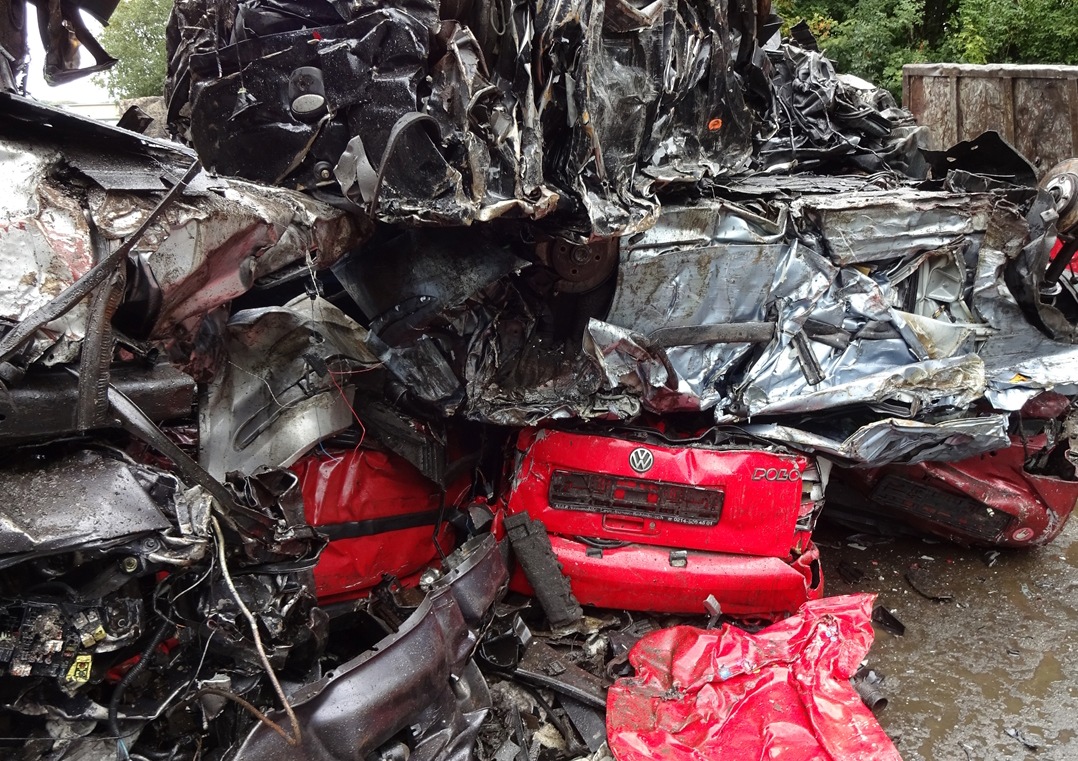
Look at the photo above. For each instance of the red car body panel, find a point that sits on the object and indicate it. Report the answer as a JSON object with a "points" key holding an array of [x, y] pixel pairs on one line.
{"points": [[379, 512], [989, 500], [782, 693], [641, 577], [759, 493], [742, 517]]}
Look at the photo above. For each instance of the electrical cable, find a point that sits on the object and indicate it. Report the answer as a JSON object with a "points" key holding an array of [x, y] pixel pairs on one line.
{"points": [[296, 735]]}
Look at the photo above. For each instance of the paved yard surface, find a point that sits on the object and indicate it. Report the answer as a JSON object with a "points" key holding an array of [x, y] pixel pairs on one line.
{"points": [[973, 677]]}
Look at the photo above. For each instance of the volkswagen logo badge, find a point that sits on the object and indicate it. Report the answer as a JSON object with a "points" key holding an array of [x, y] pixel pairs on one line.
{"points": [[641, 460]]}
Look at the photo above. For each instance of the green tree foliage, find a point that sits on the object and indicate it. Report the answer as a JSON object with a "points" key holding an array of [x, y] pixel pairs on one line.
{"points": [[136, 35], [875, 38]]}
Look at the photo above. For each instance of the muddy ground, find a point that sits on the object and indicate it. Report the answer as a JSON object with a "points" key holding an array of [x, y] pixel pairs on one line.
{"points": [[988, 674]]}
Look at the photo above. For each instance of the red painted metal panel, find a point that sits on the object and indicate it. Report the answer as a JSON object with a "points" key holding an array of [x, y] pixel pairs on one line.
{"points": [[732, 512], [365, 485], [639, 577], [990, 499], [761, 492], [783, 693]]}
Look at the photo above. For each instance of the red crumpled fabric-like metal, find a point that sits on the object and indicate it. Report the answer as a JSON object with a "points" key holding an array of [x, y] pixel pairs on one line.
{"points": [[365, 485], [783, 693]]}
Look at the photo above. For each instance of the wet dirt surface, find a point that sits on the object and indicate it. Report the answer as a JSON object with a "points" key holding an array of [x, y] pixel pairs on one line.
{"points": [[984, 674]]}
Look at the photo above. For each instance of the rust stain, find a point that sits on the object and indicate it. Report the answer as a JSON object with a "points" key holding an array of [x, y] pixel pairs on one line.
{"points": [[52, 286]]}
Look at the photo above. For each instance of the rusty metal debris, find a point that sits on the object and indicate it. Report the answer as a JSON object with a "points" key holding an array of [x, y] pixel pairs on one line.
{"points": [[458, 351]]}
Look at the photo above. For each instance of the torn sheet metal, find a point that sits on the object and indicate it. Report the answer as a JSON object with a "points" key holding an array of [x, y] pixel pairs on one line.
{"points": [[417, 691], [286, 381], [633, 369], [266, 515], [380, 515], [474, 119], [819, 120], [928, 326], [891, 331], [541, 384], [868, 373], [1022, 359], [24, 116], [47, 245], [577, 115], [202, 252], [867, 227], [693, 254], [787, 187], [781, 693], [844, 339], [519, 356], [411, 287], [542, 666], [422, 443], [900, 336], [404, 283], [212, 250]]}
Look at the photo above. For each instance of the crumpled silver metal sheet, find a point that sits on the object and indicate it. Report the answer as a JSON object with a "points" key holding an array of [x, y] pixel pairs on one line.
{"points": [[883, 276], [876, 371], [865, 227], [46, 243], [708, 264], [1020, 360], [863, 374], [895, 440], [718, 263], [209, 250], [204, 251], [287, 383], [892, 359], [627, 364]]}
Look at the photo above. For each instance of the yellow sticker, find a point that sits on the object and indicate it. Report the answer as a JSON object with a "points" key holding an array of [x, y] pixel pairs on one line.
{"points": [[79, 673], [1019, 378]]}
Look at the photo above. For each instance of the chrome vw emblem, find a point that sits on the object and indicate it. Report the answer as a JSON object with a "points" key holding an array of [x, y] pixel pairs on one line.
{"points": [[641, 460]]}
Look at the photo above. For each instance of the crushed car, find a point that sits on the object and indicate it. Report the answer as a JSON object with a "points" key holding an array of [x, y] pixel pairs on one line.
{"points": [[653, 524], [459, 364]]}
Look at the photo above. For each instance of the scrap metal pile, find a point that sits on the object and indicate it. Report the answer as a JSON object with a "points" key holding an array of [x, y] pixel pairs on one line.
{"points": [[478, 357]]}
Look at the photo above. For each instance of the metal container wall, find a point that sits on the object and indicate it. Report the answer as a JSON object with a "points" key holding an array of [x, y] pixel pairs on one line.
{"points": [[1034, 107]]}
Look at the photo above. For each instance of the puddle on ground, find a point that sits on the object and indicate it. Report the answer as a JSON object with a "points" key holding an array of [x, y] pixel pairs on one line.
{"points": [[996, 663]]}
